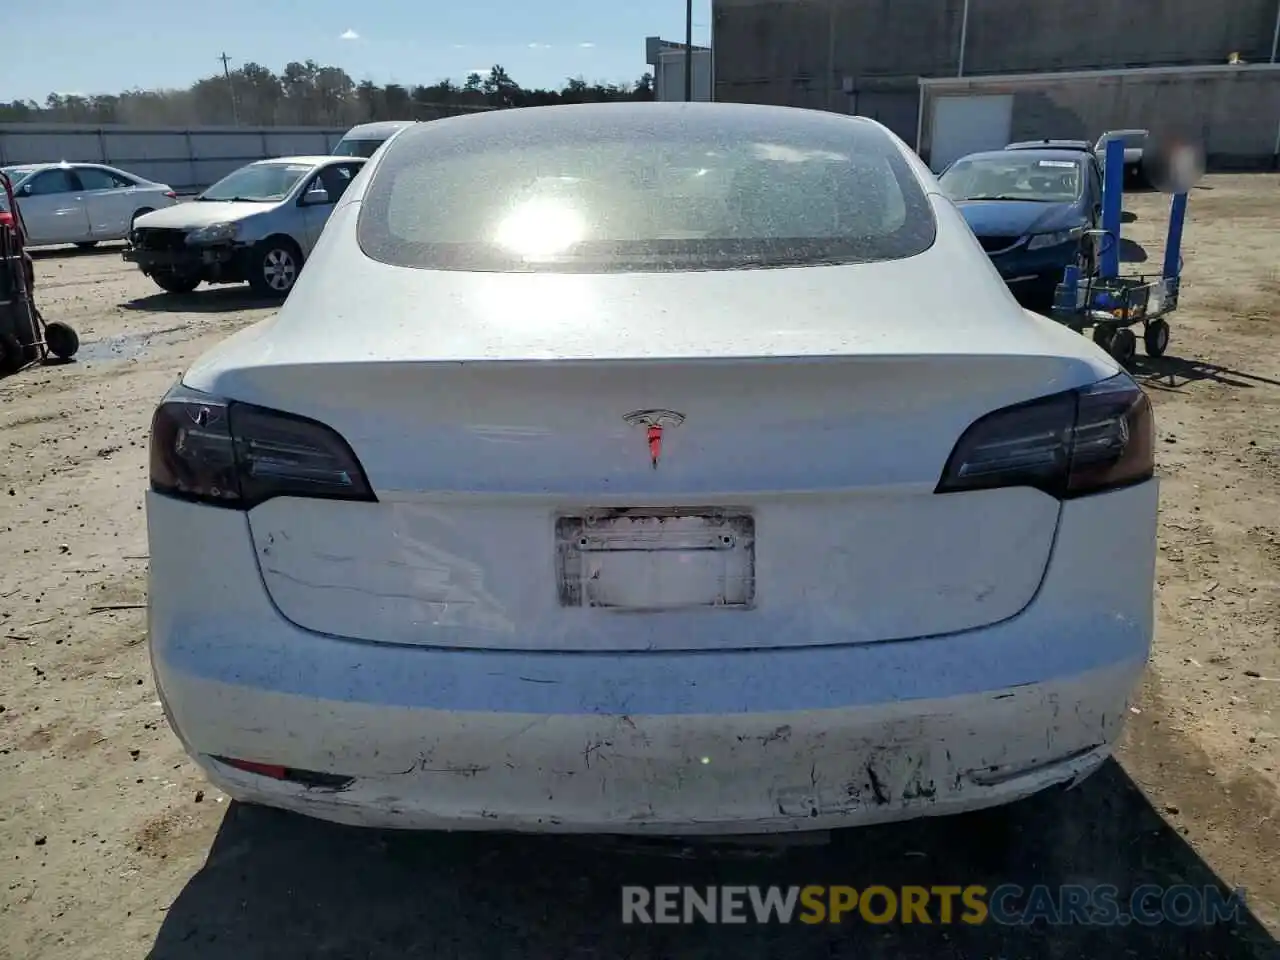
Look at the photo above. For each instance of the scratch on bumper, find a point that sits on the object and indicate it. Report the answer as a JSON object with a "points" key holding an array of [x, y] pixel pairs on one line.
{"points": [[691, 774]]}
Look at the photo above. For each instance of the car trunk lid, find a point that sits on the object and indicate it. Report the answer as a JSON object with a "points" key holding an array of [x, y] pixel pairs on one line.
{"points": [[519, 506]]}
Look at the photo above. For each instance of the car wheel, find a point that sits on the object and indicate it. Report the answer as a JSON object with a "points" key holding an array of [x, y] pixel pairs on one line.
{"points": [[1156, 338], [275, 267], [86, 244], [137, 214], [1124, 345], [175, 282]]}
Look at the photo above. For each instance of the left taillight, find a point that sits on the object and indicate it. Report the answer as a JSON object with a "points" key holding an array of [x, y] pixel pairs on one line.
{"points": [[238, 455], [171, 195]]}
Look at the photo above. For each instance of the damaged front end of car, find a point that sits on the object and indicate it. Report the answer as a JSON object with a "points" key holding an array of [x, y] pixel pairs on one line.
{"points": [[179, 259]]}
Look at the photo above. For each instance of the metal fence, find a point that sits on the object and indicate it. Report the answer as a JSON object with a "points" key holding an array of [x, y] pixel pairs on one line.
{"points": [[186, 158]]}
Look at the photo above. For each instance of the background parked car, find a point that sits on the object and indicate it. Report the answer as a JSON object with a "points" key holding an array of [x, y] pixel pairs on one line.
{"points": [[256, 225], [1030, 209], [1135, 143], [365, 139], [1084, 146], [83, 203]]}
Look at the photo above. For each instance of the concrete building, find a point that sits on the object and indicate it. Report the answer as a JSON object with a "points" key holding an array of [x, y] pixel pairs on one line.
{"points": [[868, 56], [667, 61]]}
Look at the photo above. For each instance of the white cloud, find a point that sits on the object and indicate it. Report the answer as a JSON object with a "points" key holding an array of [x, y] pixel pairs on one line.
{"points": [[539, 46], [459, 46], [349, 34], [586, 46]]}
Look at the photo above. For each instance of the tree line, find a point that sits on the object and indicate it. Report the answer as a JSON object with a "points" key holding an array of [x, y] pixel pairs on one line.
{"points": [[309, 94]]}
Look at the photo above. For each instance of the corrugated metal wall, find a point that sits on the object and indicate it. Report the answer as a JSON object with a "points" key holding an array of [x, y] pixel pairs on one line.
{"points": [[186, 159], [1015, 36], [818, 42], [802, 53]]}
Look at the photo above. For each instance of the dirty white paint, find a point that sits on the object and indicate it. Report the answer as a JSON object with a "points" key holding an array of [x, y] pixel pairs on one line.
{"points": [[483, 573], [782, 739], [802, 770], [947, 301]]}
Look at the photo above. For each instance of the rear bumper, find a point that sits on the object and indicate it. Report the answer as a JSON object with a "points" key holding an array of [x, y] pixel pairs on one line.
{"points": [[668, 775], [709, 742]]}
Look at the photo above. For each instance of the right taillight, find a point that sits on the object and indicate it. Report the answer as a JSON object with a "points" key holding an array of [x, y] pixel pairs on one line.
{"points": [[1068, 444]]}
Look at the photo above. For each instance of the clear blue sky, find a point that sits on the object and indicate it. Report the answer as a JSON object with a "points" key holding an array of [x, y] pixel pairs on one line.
{"points": [[105, 46]]}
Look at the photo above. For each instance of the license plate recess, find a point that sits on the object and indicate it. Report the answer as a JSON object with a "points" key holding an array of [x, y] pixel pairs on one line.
{"points": [[652, 560]]}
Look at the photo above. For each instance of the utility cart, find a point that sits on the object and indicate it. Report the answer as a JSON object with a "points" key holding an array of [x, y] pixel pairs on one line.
{"points": [[1111, 304], [24, 336]]}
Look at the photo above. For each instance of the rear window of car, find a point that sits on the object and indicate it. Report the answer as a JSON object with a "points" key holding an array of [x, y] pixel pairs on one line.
{"points": [[357, 148], [643, 188], [1131, 138]]}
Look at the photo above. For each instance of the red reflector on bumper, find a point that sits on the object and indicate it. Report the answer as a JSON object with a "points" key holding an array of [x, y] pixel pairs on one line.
{"points": [[272, 770], [308, 778]]}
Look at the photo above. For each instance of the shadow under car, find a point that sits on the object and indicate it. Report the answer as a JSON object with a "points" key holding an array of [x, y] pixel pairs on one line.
{"points": [[278, 885]]}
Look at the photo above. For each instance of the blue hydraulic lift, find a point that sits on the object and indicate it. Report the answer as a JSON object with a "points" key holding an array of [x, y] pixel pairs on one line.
{"points": [[1110, 303]]}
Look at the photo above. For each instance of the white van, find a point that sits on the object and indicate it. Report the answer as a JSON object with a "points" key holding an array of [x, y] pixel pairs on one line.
{"points": [[364, 140]]}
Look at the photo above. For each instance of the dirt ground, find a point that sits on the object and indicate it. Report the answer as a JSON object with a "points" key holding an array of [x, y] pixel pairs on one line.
{"points": [[112, 845]]}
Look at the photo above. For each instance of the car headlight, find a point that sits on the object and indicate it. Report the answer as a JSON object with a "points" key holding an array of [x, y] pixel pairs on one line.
{"points": [[213, 233], [1042, 240]]}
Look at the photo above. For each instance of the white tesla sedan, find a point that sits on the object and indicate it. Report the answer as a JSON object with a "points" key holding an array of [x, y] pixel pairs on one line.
{"points": [[649, 468]]}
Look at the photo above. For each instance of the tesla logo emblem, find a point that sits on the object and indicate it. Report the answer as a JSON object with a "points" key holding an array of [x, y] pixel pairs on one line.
{"points": [[654, 423]]}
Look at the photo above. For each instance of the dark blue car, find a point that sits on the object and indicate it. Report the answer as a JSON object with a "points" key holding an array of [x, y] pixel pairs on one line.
{"points": [[1030, 209]]}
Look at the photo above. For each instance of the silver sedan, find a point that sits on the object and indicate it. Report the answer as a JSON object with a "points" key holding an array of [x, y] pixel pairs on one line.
{"points": [[82, 203], [257, 225]]}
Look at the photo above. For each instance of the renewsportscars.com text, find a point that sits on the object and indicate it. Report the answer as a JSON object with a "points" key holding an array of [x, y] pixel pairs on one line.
{"points": [[1008, 904]]}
